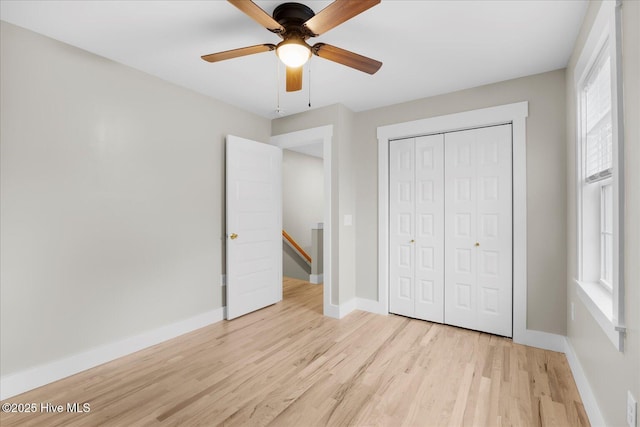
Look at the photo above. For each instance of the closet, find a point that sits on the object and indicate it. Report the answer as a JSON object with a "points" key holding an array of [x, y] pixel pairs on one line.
{"points": [[450, 228]]}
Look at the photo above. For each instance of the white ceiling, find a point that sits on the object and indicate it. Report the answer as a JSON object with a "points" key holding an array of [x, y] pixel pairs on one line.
{"points": [[427, 47]]}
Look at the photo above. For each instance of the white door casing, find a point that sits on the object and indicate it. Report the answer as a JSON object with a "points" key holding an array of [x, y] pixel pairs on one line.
{"points": [[254, 225], [478, 226], [417, 228]]}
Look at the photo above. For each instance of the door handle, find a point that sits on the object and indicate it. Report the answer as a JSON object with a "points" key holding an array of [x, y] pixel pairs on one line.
{"points": [[233, 236], [477, 244]]}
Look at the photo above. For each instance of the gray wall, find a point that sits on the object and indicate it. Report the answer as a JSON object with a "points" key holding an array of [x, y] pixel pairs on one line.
{"points": [[112, 210], [302, 204], [609, 372], [546, 184], [347, 199]]}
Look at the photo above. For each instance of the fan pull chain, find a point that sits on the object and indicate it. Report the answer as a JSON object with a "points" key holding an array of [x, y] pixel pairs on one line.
{"points": [[278, 86], [309, 84]]}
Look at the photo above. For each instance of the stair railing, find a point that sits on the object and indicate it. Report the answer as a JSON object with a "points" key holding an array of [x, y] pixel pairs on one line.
{"points": [[296, 247]]}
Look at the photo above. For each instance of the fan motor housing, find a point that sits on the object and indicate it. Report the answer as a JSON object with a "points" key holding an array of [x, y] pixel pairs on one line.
{"points": [[292, 16]]}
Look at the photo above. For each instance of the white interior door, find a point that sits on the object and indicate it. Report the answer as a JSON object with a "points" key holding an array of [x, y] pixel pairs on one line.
{"points": [[478, 225], [254, 225], [417, 228]]}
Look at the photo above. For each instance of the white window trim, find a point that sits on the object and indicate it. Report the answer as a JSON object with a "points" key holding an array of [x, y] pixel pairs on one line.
{"points": [[607, 308]]}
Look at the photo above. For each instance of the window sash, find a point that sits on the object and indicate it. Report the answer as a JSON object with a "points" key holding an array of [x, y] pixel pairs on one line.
{"points": [[597, 119]]}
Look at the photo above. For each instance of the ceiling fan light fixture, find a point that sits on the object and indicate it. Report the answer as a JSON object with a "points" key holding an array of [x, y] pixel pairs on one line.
{"points": [[293, 52], [295, 23]]}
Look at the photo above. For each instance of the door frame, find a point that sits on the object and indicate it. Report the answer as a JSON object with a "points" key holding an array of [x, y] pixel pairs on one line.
{"points": [[324, 135], [515, 114]]}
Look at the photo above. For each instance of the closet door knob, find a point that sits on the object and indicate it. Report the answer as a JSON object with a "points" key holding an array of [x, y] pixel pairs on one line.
{"points": [[233, 236], [413, 241], [477, 244]]}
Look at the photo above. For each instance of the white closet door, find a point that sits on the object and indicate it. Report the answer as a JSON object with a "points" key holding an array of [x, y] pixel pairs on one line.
{"points": [[478, 226], [402, 227], [417, 228], [429, 239]]}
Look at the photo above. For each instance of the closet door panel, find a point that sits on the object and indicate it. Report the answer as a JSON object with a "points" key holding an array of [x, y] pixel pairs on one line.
{"points": [[494, 225], [429, 239], [402, 227], [478, 224], [460, 228]]}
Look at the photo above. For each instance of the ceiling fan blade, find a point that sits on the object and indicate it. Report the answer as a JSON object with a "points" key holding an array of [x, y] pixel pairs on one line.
{"points": [[294, 79], [235, 53], [257, 14], [345, 57], [336, 13]]}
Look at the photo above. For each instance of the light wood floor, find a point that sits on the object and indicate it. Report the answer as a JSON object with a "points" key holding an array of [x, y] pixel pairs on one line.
{"points": [[287, 365]]}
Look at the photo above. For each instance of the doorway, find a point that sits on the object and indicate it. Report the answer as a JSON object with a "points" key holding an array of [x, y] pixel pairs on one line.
{"points": [[320, 135], [302, 212]]}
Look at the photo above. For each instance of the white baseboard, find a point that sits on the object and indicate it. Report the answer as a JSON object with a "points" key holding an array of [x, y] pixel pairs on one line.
{"points": [[371, 306], [539, 339], [316, 278], [586, 394], [331, 310], [348, 307], [20, 382], [339, 311]]}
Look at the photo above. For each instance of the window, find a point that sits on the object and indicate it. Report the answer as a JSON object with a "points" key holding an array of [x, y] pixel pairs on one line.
{"points": [[596, 138], [599, 180]]}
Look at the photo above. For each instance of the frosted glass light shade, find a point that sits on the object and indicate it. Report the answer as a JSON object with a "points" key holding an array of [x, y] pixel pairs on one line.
{"points": [[293, 53]]}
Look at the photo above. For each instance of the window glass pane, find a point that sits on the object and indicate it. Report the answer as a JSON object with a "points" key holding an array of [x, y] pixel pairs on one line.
{"points": [[607, 200], [607, 260], [599, 145], [597, 120], [606, 235], [598, 92]]}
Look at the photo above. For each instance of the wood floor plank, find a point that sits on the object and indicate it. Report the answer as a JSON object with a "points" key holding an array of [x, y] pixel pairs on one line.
{"points": [[287, 365]]}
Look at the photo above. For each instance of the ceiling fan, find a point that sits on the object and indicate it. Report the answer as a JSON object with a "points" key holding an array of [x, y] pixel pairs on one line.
{"points": [[295, 23]]}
